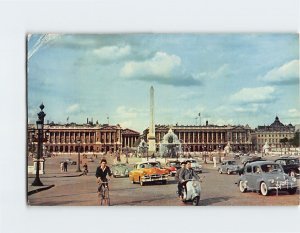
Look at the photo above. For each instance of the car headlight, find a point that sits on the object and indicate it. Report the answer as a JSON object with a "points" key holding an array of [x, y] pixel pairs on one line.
{"points": [[272, 181], [294, 179], [194, 184]]}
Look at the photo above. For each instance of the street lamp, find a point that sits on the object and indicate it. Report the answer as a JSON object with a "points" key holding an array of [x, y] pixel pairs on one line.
{"points": [[219, 154], [39, 125], [78, 158], [205, 154]]}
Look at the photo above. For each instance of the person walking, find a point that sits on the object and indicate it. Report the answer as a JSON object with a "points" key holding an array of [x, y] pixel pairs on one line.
{"points": [[65, 166]]}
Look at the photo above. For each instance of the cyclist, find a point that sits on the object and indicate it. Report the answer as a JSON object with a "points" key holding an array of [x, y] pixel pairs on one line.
{"points": [[102, 172]]}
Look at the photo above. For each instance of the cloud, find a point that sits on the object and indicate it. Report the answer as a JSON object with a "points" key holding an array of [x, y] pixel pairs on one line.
{"points": [[74, 108], [222, 72], [286, 74], [162, 68], [294, 113], [251, 108], [112, 53], [254, 95], [160, 65]]}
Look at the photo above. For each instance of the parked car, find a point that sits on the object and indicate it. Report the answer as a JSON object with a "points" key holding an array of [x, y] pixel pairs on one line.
{"points": [[229, 166], [146, 172], [90, 160], [120, 170], [172, 166], [290, 165], [70, 162], [265, 176]]}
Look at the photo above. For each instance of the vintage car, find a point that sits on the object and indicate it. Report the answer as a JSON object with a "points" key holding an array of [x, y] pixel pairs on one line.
{"points": [[290, 165], [172, 166], [146, 172], [120, 170], [228, 166], [90, 160], [265, 176], [70, 162]]}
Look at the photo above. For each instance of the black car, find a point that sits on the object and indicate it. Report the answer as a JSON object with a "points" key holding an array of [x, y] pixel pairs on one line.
{"points": [[290, 165]]}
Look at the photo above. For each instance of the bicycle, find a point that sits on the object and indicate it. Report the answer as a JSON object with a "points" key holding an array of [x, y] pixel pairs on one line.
{"points": [[103, 194]]}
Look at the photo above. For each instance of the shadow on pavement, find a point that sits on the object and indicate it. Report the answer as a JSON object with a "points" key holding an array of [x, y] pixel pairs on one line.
{"points": [[213, 200]]}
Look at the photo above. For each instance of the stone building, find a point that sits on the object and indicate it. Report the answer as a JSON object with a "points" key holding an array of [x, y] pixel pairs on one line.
{"points": [[195, 138], [272, 134], [67, 138]]}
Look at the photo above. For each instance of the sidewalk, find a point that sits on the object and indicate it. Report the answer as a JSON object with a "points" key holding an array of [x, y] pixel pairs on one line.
{"points": [[47, 181]]}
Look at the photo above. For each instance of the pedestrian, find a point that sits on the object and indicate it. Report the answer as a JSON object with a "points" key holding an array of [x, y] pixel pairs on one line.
{"points": [[61, 166], [179, 185], [65, 166]]}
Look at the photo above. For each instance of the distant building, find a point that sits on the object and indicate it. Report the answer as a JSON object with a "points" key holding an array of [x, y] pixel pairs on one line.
{"points": [[67, 138], [195, 138], [272, 135]]}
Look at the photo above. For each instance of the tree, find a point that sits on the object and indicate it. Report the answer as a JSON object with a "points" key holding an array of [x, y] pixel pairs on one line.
{"points": [[295, 140]]}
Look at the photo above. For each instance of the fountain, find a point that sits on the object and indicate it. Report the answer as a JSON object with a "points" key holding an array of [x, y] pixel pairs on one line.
{"points": [[143, 148], [170, 146]]}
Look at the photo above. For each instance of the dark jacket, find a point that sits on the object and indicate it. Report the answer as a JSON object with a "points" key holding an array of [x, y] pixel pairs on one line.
{"points": [[188, 174], [103, 174]]}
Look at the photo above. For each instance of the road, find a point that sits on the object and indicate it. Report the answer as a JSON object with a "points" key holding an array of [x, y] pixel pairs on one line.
{"points": [[217, 190]]}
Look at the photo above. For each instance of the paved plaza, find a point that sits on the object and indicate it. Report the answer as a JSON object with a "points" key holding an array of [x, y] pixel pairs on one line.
{"points": [[73, 189]]}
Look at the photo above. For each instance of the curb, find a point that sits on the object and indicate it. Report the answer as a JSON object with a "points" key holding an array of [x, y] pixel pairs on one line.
{"points": [[39, 190], [58, 176]]}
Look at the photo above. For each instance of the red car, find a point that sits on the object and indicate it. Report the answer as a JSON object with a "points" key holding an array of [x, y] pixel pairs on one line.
{"points": [[172, 166]]}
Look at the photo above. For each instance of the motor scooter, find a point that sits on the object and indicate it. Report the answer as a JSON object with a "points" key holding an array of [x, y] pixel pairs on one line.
{"points": [[191, 191]]}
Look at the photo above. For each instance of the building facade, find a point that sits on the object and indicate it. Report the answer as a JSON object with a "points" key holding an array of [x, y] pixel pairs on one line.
{"points": [[272, 134], [86, 138], [206, 138]]}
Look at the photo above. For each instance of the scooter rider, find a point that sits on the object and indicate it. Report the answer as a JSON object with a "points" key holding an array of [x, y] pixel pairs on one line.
{"points": [[179, 185], [187, 174]]}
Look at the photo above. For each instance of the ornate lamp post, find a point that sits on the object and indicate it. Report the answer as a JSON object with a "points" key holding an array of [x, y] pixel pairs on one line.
{"points": [[40, 126], [78, 158]]}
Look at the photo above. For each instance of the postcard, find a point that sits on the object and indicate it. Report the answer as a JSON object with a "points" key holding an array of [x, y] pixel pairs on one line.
{"points": [[154, 119]]}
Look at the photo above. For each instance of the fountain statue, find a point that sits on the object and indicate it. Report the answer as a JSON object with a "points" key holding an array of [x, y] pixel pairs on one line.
{"points": [[170, 146]]}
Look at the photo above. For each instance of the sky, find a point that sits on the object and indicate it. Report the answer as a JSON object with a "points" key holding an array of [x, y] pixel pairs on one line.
{"points": [[225, 78]]}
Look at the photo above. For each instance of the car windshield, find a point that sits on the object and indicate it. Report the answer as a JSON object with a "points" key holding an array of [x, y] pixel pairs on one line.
{"points": [[150, 165], [174, 163], [268, 168], [231, 163], [292, 161]]}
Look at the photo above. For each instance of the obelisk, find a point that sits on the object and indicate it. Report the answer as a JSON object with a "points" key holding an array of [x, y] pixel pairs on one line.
{"points": [[151, 134]]}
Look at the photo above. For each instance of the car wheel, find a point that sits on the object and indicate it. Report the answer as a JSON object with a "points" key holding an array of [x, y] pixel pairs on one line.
{"points": [[292, 191], [228, 172], [242, 187], [196, 201], [263, 189], [141, 182], [292, 174], [220, 170]]}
